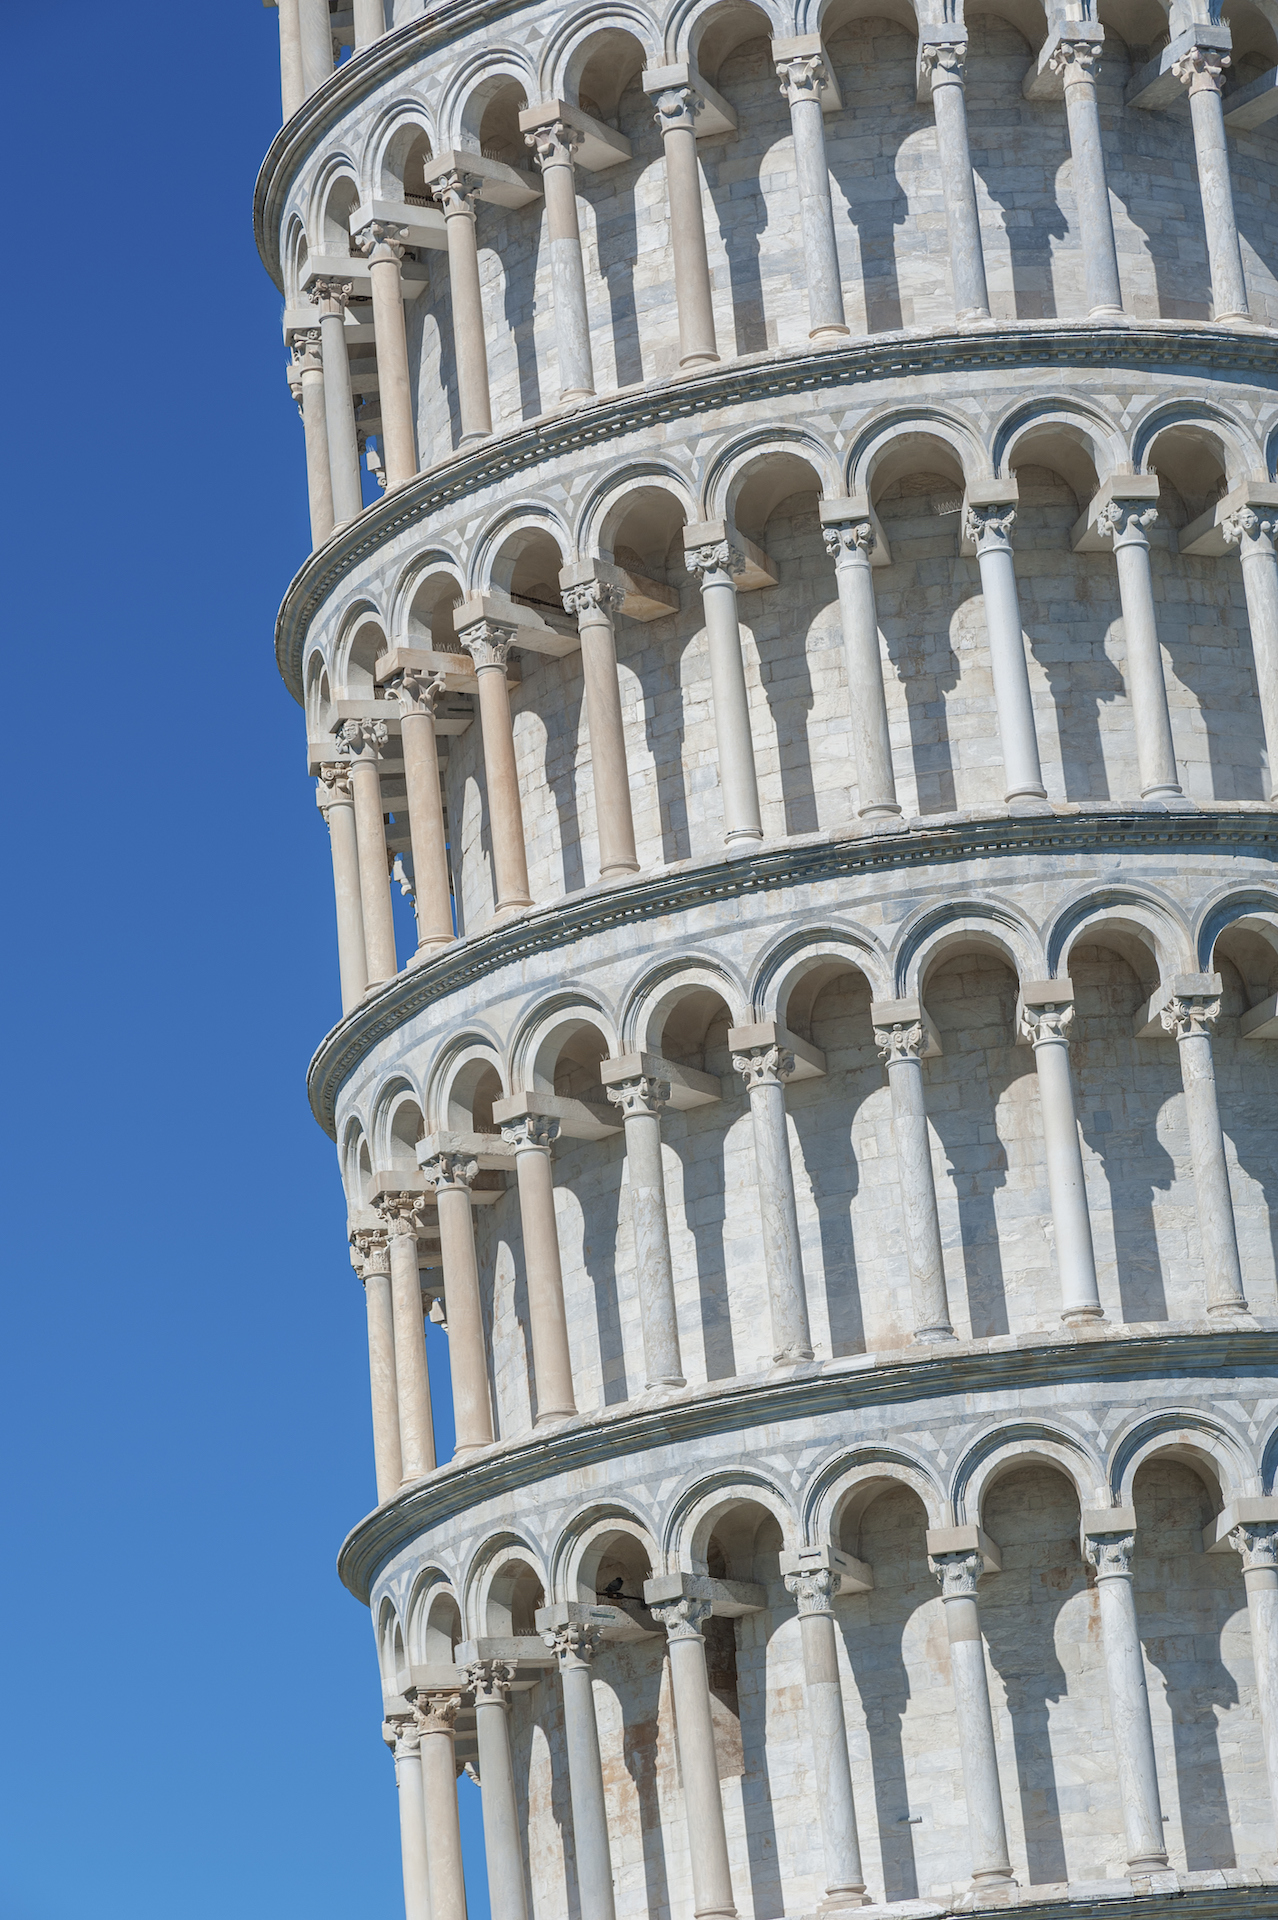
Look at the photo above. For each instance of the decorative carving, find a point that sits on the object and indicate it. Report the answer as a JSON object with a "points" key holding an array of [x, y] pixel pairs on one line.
{"points": [[333, 293], [456, 192], [401, 1213], [849, 537], [417, 692], [382, 240], [306, 350], [678, 107], [1190, 1015], [402, 1735], [958, 1574], [553, 144], [1111, 1554], [363, 739], [903, 1040], [597, 597], [450, 1170], [531, 1130], [989, 527], [573, 1645], [437, 1712], [1257, 1542], [720, 557], [764, 1066], [944, 62], [370, 1251], [489, 1681], [1048, 1022], [1126, 521], [643, 1095], [1075, 61], [682, 1618], [814, 1589], [488, 643], [803, 79], [1200, 69], [1246, 524], [334, 787]]}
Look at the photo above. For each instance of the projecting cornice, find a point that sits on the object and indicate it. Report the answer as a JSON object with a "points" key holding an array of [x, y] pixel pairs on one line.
{"points": [[789, 864], [1210, 352], [864, 1381]]}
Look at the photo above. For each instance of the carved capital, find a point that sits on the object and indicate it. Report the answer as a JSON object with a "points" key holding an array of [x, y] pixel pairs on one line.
{"points": [[944, 62], [803, 79], [1125, 522], [903, 1040], [306, 350], [370, 1251], [402, 1735], [1247, 529], [1111, 1554], [400, 1213], [1257, 1542], [958, 1574], [720, 557], [847, 538], [1075, 62], [333, 787], [573, 1646], [489, 1681], [1187, 1016], [553, 145], [813, 1590], [417, 692], [437, 1712], [532, 1130], [678, 107], [450, 1170], [333, 293], [1047, 1023], [363, 739], [989, 527], [594, 597], [643, 1095], [1200, 69], [488, 643], [456, 192], [682, 1618], [764, 1066], [382, 240]]}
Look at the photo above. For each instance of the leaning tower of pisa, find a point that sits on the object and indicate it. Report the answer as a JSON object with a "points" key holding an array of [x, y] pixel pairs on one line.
{"points": [[790, 666]]}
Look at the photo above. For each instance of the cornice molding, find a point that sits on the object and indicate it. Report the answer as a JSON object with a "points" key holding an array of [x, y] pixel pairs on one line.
{"points": [[834, 1387], [789, 864], [1210, 351]]}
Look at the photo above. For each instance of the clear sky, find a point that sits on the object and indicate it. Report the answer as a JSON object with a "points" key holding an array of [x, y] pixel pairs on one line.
{"points": [[191, 1715]]}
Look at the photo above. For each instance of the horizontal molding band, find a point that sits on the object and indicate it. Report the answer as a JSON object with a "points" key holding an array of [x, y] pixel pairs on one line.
{"points": [[787, 864], [837, 1386], [1208, 352]]}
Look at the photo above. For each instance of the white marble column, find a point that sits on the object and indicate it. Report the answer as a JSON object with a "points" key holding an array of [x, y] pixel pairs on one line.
{"points": [[315, 35], [436, 1716], [1077, 62], [336, 798], [989, 527], [1253, 535], [1045, 1021], [450, 1176], [412, 1381], [765, 1071], [574, 1648], [851, 543], [943, 62], [593, 603], [533, 1137], [714, 568], [419, 694], [403, 1737], [1190, 1017], [490, 1681], [712, 1897], [384, 244], [803, 81], [1111, 1555], [901, 1042], [339, 405], [363, 740], [641, 1101], [677, 110], [488, 645], [814, 1593], [958, 1574], [1125, 522], [552, 146], [308, 361], [1200, 71], [292, 74], [370, 23], [370, 1257], [1257, 1542], [455, 193]]}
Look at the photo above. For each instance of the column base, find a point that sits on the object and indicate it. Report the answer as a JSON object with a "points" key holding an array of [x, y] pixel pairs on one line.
{"points": [[375, 986], [743, 841], [828, 336], [1082, 1316], [933, 1336], [879, 810], [669, 1384], [700, 360], [1108, 313], [1024, 793], [426, 948], [505, 907], [1233, 320], [844, 1900], [1220, 1308], [472, 439], [619, 870], [1162, 793], [552, 1414], [975, 317], [572, 395], [1148, 1863]]}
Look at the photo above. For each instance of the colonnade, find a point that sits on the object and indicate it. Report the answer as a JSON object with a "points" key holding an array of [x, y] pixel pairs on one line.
{"points": [[421, 1729], [556, 131]]}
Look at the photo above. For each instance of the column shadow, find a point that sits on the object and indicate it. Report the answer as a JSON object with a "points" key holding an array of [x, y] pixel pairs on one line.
{"points": [[874, 54], [561, 773], [498, 237], [787, 685], [763, 1865], [705, 1212], [643, 1674], [656, 659], [834, 1188], [599, 1226]]}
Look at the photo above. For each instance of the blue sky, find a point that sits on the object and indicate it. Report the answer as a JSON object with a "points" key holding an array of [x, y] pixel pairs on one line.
{"points": [[191, 1707]]}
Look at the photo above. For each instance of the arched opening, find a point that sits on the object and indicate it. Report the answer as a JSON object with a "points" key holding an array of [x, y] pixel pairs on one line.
{"points": [[740, 1541], [602, 69], [335, 226], [644, 533], [403, 171], [514, 1595], [406, 1129], [435, 1627], [430, 614], [526, 565], [367, 645], [471, 1095], [490, 120]]}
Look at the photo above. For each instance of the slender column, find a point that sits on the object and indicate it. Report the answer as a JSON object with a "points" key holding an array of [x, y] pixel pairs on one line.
{"points": [[364, 740], [1200, 71], [309, 362], [694, 1730], [715, 568], [803, 81], [419, 694], [574, 1648], [901, 1043], [552, 147], [402, 1736], [450, 1175], [455, 193], [488, 645], [385, 245], [336, 798], [851, 542], [436, 1716], [641, 1101], [990, 528], [944, 62], [594, 602], [1111, 1555], [339, 406], [1191, 1017], [416, 1428], [1126, 521], [1258, 1544], [316, 37], [490, 1681], [1253, 534], [1045, 1024], [370, 1257], [370, 22], [765, 1071], [958, 1574], [1078, 63], [814, 1592], [533, 1136], [677, 110], [292, 76]]}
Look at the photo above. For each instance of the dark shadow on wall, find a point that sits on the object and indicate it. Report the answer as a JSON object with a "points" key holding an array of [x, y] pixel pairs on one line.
{"points": [[1221, 676], [756, 1792], [813, 1109], [1153, 173], [1247, 1093], [874, 62], [1022, 183], [704, 1211], [654, 652], [518, 249], [777, 620], [503, 1224], [916, 598], [641, 1673], [747, 79], [612, 195], [596, 1169], [561, 773]]}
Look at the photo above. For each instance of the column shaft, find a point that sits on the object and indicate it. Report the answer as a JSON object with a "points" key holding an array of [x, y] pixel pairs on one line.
{"points": [[416, 1428], [1254, 536], [901, 1045], [502, 1847], [385, 248], [316, 37], [694, 1730], [851, 544], [381, 1368], [292, 76], [765, 1071], [593, 603], [418, 696], [1045, 1025], [1199, 70], [823, 1697], [1077, 63], [802, 82], [455, 193], [677, 109], [548, 1323], [338, 804], [958, 1574], [339, 411], [1191, 1020], [1155, 753], [1258, 1545], [365, 739], [585, 1774], [370, 23], [319, 471], [641, 1101], [1111, 1555], [738, 781], [489, 648], [553, 147], [436, 1716], [467, 1348], [989, 526], [412, 1824], [967, 262]]}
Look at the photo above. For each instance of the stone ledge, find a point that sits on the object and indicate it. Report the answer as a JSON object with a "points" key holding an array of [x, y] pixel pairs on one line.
{"points": [[913, 1373], [940, 839], [1164, 1896]]}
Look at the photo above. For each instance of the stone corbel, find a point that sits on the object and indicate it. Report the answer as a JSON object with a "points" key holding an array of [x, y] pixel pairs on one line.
{"points": [[967, 1539], [908, 1012], [492, 180], [728, 1598], [1247, 1511], [578, 1119], [715, 116], [1041, 993], [1206, 535], [809, 1061], [527, 1653], [354, 271], [604, 1621], [1088, 535], [1251, 106], [423, 227], [853, 1575], [688, 1087], [1156, 84], [856, 506], [756, 572], [1044, 80], [810, 46], [599, 147], [1099, 1523], [1148, 1023], [532, 630], [949, 36], [642, 599]]}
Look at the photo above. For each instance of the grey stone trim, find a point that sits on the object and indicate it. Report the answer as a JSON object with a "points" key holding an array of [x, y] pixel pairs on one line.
{"points": [[1049, 345], [797, 863], [680, 1419]]}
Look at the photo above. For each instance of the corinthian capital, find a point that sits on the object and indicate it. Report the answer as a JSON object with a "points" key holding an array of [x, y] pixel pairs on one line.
{"points": [[488, 643], [943, 62], [382, 240], [1200, 69], [489, 1681], [306, 350], [1245, 527], [1111, 1554], [1047, 1023], [597, 597], [401, 1734], [989, 527], [1186, 1016], [958, 1574], [436, 1712], [333, 292], [1075, 62], [455, 192], [764, 1066], [370, 1252], [417, 692], [903, 1040], [1126, 522], [334, 785], [681, 1618], [803, 79], [364, 739], [450, 1170], [531, 1130], [1257, 1542], [678, 107], [813, 1589], [573, 1645], [848, 537], [641, 1095], [719, 557], [400, 1213], [553, 145]]}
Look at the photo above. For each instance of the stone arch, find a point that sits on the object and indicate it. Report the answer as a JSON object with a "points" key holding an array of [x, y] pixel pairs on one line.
{"points": [[492, 77], [1253, 908], [636, 516], [506, 1584], [691, 982], [763, 467], [423, 600], [792, 971], [934, 934], [1004, 1448], [830, 16], [397, 1126], [399, 141], [1198, 448], [523, 548], [356, 1162], [903, 442], [1268, 1457], [705, 32], [571, 1024], [587, 41], [1139, 923], [464, 1081], [318, 694], [434, 1620], [851, 1478], [361, 641], [392, 1652], [334, 197], [1219, 1456], [1074, 440], [295, 253], [594, 1538], [704, 1507]]}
